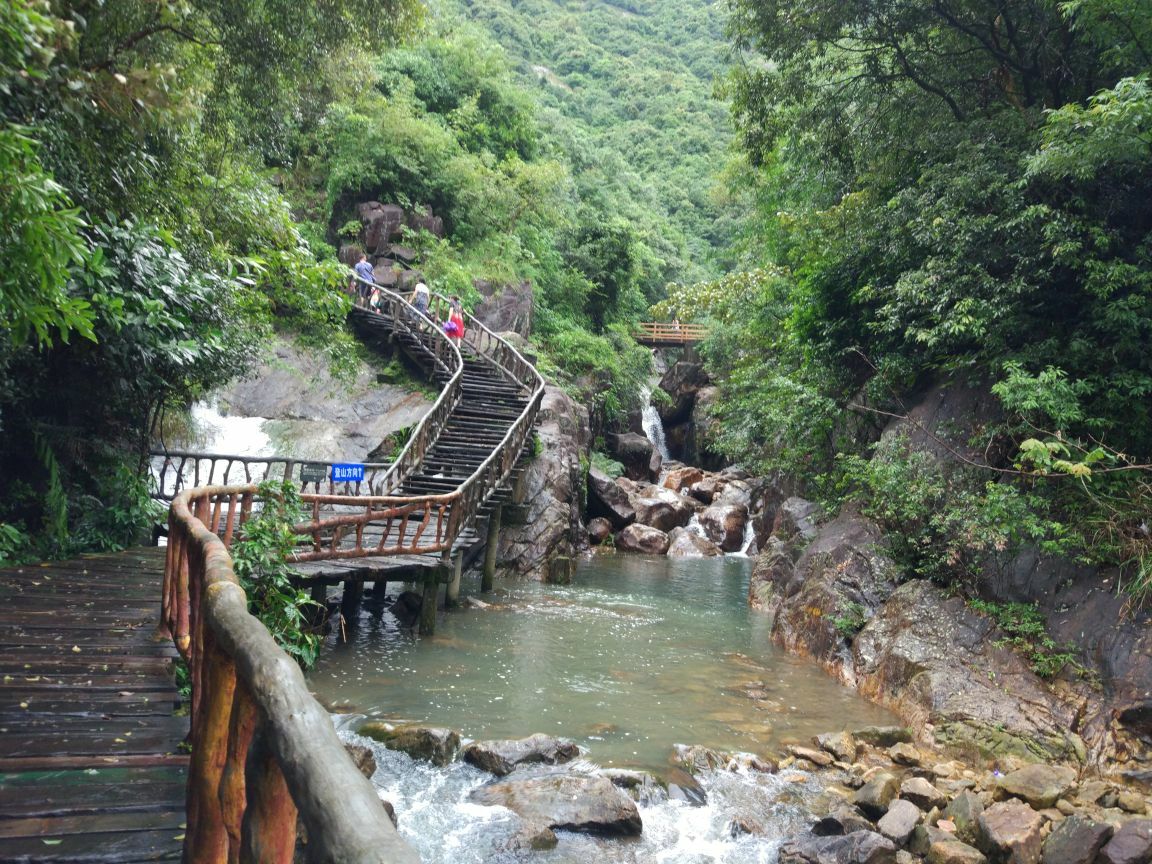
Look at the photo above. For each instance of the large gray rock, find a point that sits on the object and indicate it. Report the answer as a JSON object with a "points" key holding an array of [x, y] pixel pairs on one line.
{"points": [[724, 524], [842, 745], [641, 538], [501, 756], [662, 508], [681, 382], [843, 820], [1131, 844], [316, 416], [964, 811], [685, 543], [874, 796], [953, 852], [899, 822], [505, 307], [545, 520], [1076, 840], [1009, 833], [1039, 785], [922, 793], [608, 500], [859, 847], [637, 454], [571, 803], [438, 746]]}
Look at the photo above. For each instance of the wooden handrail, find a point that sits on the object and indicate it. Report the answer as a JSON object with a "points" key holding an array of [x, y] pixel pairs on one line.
{"points": [[672, 333], [263, 750]]}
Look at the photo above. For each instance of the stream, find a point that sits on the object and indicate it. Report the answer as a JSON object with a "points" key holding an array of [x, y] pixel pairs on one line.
{"points": [[636, 655]]}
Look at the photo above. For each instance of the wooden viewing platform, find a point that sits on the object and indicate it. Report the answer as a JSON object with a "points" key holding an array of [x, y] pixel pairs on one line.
{"points": [[90, 762], [656, 333]]}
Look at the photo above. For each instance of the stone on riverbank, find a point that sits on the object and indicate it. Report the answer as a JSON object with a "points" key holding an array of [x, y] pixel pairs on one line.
{"points": [[684, 543], [1076, 840], [1008, 832], [642, 538], [500, 757], [859, 847], [435, 745], [566, 802], [1039, 785]]}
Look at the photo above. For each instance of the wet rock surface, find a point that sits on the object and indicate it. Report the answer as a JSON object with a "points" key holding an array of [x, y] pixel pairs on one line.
{"points": [[545, 519], [567, 802], [500, 757]]}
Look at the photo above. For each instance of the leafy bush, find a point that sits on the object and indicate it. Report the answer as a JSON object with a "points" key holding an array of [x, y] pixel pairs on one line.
{"points": [[1025, 631], [259, 559]]}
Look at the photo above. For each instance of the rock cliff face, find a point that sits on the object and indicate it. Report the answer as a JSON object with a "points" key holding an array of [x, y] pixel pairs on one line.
{"points": [[910, 647], [545, 519]]}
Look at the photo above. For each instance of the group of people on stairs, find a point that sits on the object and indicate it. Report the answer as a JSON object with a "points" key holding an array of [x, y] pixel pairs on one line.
{"points": [[420, 299]]}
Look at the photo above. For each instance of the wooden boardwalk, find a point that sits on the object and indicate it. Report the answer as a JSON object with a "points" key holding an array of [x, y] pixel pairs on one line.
{"points": [[90, 765]]}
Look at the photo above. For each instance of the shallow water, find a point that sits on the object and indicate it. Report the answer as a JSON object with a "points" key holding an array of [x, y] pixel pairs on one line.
{"points": [[636, 655]]}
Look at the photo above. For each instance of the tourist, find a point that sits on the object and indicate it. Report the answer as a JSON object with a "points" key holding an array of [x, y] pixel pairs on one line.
{"points": [[366, 278], [420, 297], [455, 326]]}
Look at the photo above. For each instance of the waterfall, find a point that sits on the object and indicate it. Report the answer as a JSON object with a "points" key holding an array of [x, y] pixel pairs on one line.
{"points": [[653, 426]]}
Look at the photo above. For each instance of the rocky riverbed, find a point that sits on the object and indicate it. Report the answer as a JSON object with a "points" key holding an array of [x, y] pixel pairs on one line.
{"points": [[869, 796]]}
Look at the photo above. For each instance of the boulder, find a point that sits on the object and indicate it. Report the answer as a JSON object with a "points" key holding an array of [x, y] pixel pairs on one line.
{"points": [[1131, 844], [816, 757], [686, 543], [904, 754], [599, 530], [922, 793], [501, 756], [842, 745], [859, 847], [544, 519], [363, 758], [953, 852], [679, 479], [422, 219], [705, 490], [383, 273], [724, 525], [924, 836], [1039, 785], [964, 811], [899, 822], [662, 508], [430, 744], [564, 801], [682, 786], [843, 820], [608, 500], [638, 455], [505, 308], [874, 796], [1076, 840], [681, 382], [1008, 832], [735, 492], [641, 538], [883, 736]]}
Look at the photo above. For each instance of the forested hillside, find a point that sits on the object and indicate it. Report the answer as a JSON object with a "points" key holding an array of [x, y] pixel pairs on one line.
{"points": [[179, 176], [958, 194], [626, 91]]}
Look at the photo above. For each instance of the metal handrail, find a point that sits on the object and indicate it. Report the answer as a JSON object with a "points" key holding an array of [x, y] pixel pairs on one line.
{"points": [[180, 460]]}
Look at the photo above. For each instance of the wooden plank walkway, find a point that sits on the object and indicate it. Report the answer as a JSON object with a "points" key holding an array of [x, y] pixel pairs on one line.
{"points": [[90, 765]]}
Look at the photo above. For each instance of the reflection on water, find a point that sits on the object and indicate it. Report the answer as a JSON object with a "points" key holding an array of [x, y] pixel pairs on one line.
{"points": [[636, 655]]}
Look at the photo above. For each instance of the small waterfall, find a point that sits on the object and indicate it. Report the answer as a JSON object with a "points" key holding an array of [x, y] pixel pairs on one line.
{"points": [[749, 538], [653, 426]]}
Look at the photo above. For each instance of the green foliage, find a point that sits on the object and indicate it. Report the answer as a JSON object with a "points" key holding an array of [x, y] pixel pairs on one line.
{"points": [[121, 513], [14, 544], [259, 559], [947, 526], [1025, 631], [850, 620], [605, 464]]}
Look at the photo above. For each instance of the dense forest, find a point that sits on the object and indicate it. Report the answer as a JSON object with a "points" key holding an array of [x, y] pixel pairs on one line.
{"points": [[865, 203]]}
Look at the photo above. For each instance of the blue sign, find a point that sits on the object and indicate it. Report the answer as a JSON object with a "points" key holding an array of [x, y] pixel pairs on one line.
{"points": [[347, 472]]}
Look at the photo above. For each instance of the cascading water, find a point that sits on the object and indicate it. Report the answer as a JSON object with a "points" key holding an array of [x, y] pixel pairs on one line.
{"points": [[653, 425]]}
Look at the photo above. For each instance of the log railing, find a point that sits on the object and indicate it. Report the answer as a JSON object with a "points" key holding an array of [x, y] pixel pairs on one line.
{"points": [[674, 333], [263, 750]]}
